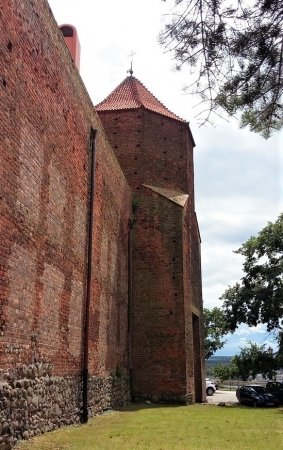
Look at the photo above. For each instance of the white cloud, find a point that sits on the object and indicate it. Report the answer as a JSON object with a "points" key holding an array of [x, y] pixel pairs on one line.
{"points": [[243, 335], [245, 330]]}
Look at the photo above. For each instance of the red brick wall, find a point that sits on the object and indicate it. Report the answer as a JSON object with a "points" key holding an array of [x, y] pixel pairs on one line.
{"points": [[159, 362], [193, 305], [151, 148], [197, 302], [158, 151], [46, 117], [109, 310]]}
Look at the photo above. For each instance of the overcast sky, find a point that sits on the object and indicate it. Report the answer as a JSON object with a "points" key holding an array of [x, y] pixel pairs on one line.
{"points": [[238, 174]]}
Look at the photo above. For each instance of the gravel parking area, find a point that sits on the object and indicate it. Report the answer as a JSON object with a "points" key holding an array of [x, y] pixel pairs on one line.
{"points": [[222, 396]]}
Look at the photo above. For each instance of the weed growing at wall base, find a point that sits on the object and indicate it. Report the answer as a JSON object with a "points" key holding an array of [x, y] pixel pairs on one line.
{"points": [[150, 427]]}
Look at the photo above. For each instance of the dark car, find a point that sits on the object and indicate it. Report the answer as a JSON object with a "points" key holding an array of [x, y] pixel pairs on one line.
{"points": [[276, 389], [255, 395]]}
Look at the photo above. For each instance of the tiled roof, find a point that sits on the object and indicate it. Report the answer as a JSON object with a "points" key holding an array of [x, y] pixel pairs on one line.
{"points": [[130, 94]]}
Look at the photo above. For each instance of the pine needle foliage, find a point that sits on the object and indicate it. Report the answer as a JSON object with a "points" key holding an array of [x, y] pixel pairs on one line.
{"points": [[234, 49]]}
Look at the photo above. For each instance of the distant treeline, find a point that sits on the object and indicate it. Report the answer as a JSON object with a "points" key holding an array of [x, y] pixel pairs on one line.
{"points": [[214, 360]]}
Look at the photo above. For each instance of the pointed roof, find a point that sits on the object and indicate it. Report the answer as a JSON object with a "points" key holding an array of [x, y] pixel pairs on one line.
{"points": [[131, 94]]}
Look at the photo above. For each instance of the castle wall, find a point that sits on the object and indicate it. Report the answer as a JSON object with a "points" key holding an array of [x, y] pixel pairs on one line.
{"points": [[155, 150], [46, 155], [46, 119], [194, 343], [159, 359], [167, 346], [151, 148]]}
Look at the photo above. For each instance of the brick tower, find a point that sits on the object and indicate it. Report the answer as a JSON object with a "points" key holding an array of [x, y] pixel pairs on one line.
{"points": [[154, 148]]}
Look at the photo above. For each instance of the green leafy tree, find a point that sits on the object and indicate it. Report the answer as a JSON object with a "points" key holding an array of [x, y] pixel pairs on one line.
{"points": [[224, 371], [235, 51], [253, 360], [215, 327], [279, 354], [259, 296]]}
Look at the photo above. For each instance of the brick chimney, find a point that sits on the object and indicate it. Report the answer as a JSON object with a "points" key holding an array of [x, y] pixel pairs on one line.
{"points": [[71, 38]]}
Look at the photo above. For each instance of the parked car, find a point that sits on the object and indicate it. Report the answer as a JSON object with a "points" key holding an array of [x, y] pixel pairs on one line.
{"points": [[210, 387], [276, 389], [213, 382], [255, 395], [216, 384]]}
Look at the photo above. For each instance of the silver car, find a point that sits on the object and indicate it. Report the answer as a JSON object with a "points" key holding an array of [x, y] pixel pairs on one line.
{"points": [[210, 387]]}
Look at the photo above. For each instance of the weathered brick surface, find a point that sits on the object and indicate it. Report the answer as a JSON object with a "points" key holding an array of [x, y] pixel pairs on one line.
{"points": [[154, 150], [46, 117], [159, 362], [193, 310], [151, 148]]}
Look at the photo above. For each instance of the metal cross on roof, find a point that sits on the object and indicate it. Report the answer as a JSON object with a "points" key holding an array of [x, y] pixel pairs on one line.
{"points": [[132, 53]]}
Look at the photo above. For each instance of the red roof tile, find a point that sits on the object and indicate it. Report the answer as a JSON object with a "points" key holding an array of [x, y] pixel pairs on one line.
{"points": [[130, 94]]}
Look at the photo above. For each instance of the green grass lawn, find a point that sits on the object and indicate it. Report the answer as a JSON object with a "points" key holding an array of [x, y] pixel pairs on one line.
{"points": [[150, 427]]}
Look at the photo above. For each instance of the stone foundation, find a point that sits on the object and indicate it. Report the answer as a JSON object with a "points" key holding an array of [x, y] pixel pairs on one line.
{"points": [[38, 402], [180, 399], [106, 393]]}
